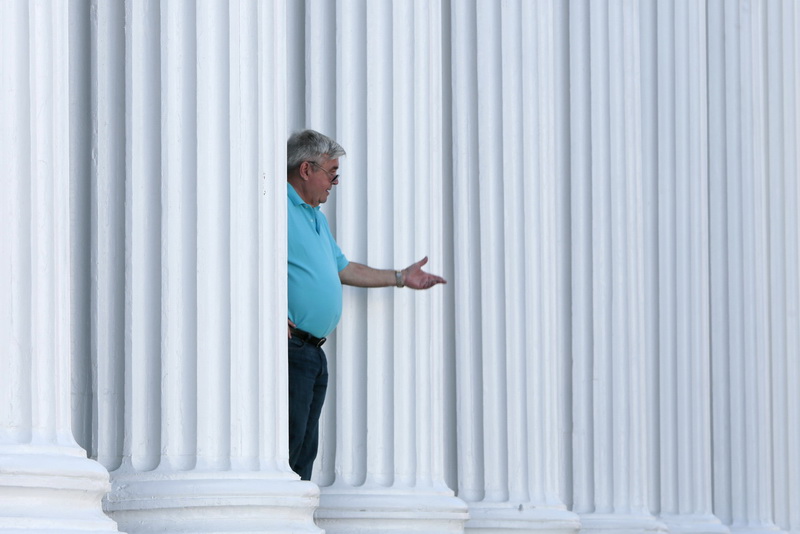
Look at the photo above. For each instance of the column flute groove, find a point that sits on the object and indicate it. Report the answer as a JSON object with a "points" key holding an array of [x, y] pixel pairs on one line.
{"points": [[467, 282], [142, 238], [350, 233], [381, 337], [108, 230], [782, 90], [320, 112], [178, 241], [402, 48]]}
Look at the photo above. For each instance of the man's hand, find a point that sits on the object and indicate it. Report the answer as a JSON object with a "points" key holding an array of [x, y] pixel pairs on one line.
{"points": [[415, 278], [291, 325]]}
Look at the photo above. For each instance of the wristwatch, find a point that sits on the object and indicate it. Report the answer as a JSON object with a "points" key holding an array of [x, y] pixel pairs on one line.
{"points": [[398, 278]]}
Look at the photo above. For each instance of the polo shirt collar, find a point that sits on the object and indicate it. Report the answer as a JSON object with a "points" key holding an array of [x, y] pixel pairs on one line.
{"points": [[294, 196]]}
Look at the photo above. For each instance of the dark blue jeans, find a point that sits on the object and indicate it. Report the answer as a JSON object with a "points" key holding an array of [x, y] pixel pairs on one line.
{"points": [[308, 381]]}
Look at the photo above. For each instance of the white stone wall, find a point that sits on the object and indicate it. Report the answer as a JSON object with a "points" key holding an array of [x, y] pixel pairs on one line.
{"points": [[610, 188]]}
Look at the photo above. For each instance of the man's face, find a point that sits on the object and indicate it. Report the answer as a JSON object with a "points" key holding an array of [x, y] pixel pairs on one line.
{"points": [[322, 176]]}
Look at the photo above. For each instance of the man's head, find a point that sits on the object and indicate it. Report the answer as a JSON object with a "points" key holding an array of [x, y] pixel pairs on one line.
{"points": [[313, 162]]}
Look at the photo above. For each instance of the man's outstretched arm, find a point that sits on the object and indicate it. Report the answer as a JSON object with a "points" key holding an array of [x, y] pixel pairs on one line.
{"points": [[360, 275]]}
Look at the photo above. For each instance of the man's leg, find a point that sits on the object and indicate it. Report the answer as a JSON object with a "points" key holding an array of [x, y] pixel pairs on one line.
{"points": [[307, 367], [308, 450]]}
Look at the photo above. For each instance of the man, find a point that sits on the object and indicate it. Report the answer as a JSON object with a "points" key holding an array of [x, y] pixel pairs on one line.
{"points": [[316, 271]]}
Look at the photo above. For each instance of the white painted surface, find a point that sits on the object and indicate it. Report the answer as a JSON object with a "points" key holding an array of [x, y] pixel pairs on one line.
{"points": [[193, 426], [47, 484], [610, 188]]}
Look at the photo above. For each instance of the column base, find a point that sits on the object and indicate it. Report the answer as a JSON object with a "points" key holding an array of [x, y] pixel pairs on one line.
{"points": [[212, 502], [502, 518], [348, 510], [694, 524], [756, 527], [56, 489], [621, 524]]}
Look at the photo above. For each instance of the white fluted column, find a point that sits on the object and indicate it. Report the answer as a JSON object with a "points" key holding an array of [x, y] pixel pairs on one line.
{"points": [[609, 434], [506, 325], [46, 482], [381, 457], [740, 262], [679, 297], [189, 211], [783, 132]]}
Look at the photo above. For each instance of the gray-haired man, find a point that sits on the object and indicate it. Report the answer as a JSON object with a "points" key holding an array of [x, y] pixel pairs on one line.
{"points": [[317, 268]]}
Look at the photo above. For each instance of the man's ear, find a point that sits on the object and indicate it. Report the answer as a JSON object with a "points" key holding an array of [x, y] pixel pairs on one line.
{"points": [[303, 170]]}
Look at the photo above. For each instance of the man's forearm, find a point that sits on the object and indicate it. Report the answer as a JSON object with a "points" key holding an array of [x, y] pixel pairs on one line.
{"points": [[360, 275]]}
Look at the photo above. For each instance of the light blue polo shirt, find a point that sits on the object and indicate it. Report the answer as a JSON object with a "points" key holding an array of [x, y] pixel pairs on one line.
{"points": [[315, 291]]}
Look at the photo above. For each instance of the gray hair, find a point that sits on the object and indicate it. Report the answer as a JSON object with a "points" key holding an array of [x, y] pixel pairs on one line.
{"points": [[310, 145]]}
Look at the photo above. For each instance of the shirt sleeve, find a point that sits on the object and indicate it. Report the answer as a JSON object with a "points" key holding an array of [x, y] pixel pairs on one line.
{"points": [[341, 260]]}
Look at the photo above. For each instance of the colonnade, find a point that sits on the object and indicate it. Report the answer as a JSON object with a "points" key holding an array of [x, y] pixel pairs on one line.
{"points": [[610, 189]]}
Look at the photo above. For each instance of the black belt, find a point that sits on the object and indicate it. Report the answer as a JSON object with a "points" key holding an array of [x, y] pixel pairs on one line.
{"points": [[308, 338]]}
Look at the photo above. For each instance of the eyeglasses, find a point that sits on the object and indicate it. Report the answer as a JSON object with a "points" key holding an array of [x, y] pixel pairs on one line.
{"points": [[334, 178]]}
